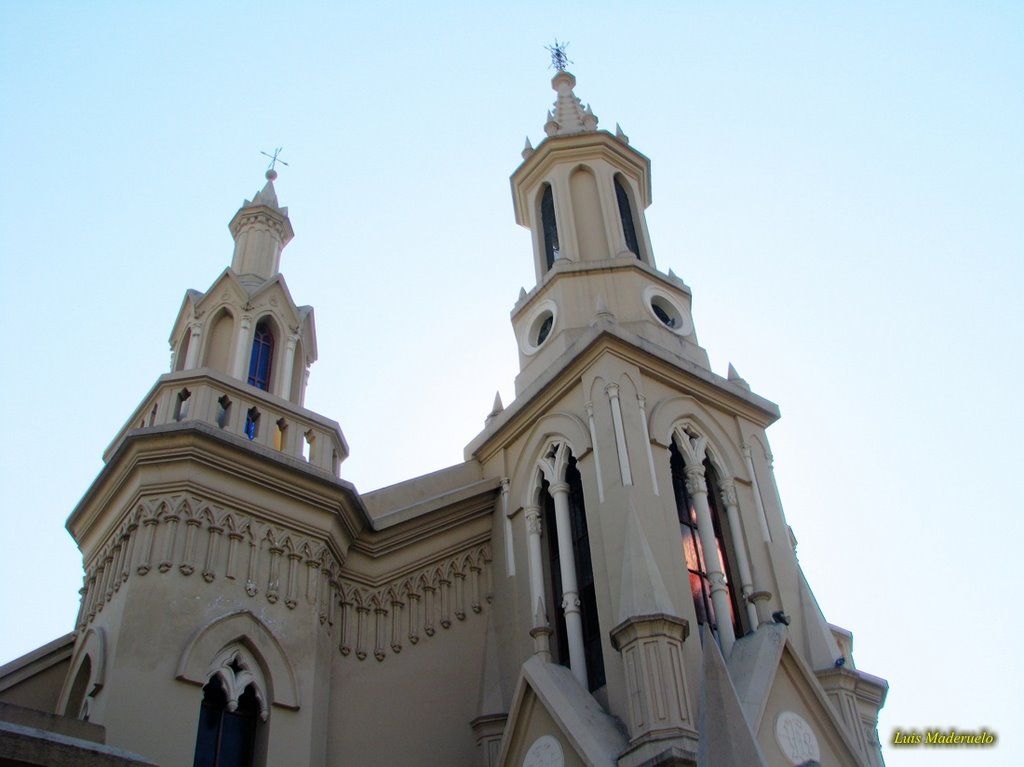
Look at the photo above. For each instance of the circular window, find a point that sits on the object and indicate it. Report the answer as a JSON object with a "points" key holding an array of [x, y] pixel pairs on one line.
{"points": [[539, 327], [668, 312]]}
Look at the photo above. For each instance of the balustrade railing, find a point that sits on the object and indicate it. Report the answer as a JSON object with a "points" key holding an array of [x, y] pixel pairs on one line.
{"points": [[207, 396]]}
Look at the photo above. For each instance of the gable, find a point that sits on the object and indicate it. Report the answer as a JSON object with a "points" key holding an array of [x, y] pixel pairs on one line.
{"points": [[797, 722], [551, 712]]}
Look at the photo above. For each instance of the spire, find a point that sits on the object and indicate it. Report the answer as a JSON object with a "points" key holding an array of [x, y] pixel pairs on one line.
{"points": [[569, 116], [261, 229]]}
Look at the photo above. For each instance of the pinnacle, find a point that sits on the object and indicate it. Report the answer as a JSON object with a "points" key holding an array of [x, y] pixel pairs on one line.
{"points": [[569, 116], [266, 196]]}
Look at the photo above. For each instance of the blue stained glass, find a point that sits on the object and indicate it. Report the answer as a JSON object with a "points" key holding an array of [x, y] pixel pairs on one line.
{"points": [[262, 354]]}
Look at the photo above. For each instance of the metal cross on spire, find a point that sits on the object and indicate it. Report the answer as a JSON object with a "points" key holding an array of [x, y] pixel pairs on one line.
{"points": [[559, 60], [271, 173]]}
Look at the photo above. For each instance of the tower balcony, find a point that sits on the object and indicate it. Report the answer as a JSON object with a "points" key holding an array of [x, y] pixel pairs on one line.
{"points": [[208, 397]]}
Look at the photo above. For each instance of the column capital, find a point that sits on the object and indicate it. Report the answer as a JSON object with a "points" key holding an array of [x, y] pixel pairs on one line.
{"points": [[612, 390], [727, 488], [695, 484], [557, 488]]}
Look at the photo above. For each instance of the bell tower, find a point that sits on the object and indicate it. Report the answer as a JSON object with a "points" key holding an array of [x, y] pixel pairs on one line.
{"points": [[645, 544], [213, 536], [247, 326], [583, 194]]}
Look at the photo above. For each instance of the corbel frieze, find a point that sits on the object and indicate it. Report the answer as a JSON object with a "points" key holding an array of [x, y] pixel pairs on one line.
{"points": [[186, 536]]}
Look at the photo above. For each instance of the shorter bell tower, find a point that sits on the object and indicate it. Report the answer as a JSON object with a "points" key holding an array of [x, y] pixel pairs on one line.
{"points": [[246, 325], [213, 532]]}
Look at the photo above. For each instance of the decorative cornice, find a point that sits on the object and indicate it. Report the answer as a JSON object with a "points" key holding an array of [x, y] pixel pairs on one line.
{"points": [[246, 558]]}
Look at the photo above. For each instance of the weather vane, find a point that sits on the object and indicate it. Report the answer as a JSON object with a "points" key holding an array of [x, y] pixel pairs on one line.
{"points": [[271, 173], [559, 60]]}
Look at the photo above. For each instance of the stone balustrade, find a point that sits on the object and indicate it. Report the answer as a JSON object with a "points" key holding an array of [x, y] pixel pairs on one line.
{"points": [[207, 396]]}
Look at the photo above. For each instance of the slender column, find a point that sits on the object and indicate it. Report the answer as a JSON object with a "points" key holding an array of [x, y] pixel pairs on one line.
{"points": [[570, 589], [510, 553], [698, 490], [612, 390], [194, 342], [597, 456], [536, 565], [775, 485], [641, 401], [285, 386], [243, 349], [761, 516], [732, 510]]}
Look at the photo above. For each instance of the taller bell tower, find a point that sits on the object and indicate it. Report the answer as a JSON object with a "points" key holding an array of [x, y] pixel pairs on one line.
{"points": [[645, 544], [583, 193]]}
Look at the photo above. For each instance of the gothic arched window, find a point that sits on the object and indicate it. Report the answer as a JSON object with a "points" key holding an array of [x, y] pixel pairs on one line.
{"points": [[693, 549], [626, 216], [548, 226], [584, 577], [226, 736], [262, 356]]}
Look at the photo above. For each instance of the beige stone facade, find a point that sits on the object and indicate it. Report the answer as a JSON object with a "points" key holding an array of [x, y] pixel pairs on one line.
{"points": [[608, 578]]}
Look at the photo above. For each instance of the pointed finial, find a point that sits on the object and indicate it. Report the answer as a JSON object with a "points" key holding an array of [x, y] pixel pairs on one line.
{"points": [[527, 149], [736, 378], [620, 135], [602, 312], [559, 60], [497, 407], [271, 174], [522, 295], [540, 615]]}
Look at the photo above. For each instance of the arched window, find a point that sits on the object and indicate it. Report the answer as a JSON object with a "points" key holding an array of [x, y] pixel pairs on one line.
{"points": [[77, 705], [693, 550], [226, 736], [626, 216], [548, 226], [262, 356], [584, 577]]}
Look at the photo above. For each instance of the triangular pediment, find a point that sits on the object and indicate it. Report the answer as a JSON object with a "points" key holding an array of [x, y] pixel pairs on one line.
{"points": [[784, 704], [551, 713]]}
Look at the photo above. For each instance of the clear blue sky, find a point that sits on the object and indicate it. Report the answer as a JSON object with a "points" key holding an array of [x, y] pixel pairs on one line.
{"points": [[840, 184]]}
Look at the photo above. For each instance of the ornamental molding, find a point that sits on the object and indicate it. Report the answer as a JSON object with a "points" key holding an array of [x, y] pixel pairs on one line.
{"points": [[250, 559]]}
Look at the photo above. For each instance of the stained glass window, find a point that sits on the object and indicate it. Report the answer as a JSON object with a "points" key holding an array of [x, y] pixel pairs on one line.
{"points": [[262, 355]]}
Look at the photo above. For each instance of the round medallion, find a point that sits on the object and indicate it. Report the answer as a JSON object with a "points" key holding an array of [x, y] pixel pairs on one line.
{"points": [[546, 751], [796, 739]]}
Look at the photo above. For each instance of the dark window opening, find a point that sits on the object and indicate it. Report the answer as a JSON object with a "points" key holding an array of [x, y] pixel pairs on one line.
{"points": [[262, 355], [662, 315], [626, 216], [223, 410], [226, 738], [550, 229], [545, 329], [584, 578]]}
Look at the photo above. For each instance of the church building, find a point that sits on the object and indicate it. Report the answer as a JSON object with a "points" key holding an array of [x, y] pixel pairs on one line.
{"points": [[606, 579]]}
